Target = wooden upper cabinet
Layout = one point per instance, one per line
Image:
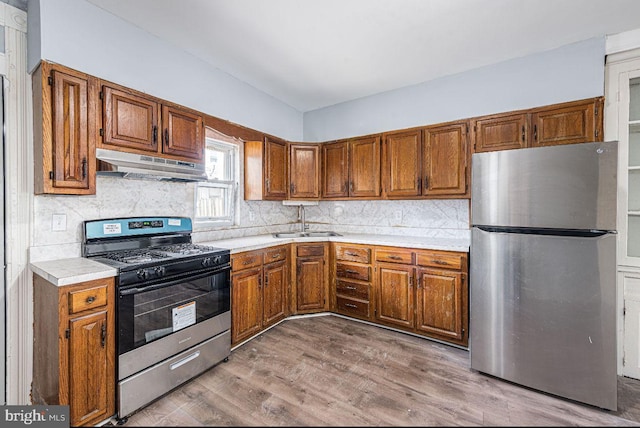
(265, 170)
(129, 120)
(402, 164)
(335, 170)
(65, 130)
(304, 170)
(500, 132)
(444, 160)
(135, 122)
(183, 133)
(364, 167)
(276, 169)
(567, 123)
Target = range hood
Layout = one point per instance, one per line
(132, 165)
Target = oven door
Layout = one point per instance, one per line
(151, 312)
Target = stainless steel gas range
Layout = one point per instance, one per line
(173, 305)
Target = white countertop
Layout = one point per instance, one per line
(79, 269)
(237, 245)
(72, 271)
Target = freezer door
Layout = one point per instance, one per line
(542, 313)
(569, 187)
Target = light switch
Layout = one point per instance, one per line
(58, 222)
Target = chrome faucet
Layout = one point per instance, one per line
(303, 223)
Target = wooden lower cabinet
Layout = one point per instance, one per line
(74, 348)
(423, 291)
(351, 280)
(310, 278)
(259, 290)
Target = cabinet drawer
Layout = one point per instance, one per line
(352, 289)
(352, 307)
(246, 261)
(91, 298)
(441, 260)
(345, 270)
(394, 256)
(310, 250)
(353, 254)
(275, 254)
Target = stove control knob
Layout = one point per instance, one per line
(142, 273)
(206, 262)
(159, 270)
(217, 259)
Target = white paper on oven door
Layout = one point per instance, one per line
(184, 316)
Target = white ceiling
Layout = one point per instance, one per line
(315, 53)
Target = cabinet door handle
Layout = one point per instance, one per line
(266, 281)
(292, 188)
(350, 305)
(419, 184)
(268, 184)
(166, 136)
(103, 335)
(346, 186)
(84, 168)
(426, 183)
(91, 299)
(155, 134)
(523, 133)
(351, 187)
(535, 132)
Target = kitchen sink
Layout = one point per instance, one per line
(318, 234)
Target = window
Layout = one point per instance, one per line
(216, 197)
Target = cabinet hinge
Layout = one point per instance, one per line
(67, 333)
(50, 175)
(101, 132)
(101, 95)
(597, 132)
(596, 111)
(467, 126)
(50, 80)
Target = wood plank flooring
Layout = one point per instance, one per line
(332, 371)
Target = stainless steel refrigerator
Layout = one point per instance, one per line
(542, 269)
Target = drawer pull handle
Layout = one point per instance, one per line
(395, 257)
(184, 360)
(91, 299)
(439, 262)
(348, 287)
(275, 256)
(349, 253)
(350, 305)
(247, 262)
(351, 271)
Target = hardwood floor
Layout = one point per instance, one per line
(331, 371)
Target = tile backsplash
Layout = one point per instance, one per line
(118, 197)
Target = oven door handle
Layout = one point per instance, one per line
(173, 281)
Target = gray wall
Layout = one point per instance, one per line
(82, 36)
(568, 73)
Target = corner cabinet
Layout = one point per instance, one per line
(266, 172)
(310, 278)
(304, 171)
(74, 348)
(65, 110)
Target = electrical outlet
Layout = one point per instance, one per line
(58, 222)
(397, 216)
